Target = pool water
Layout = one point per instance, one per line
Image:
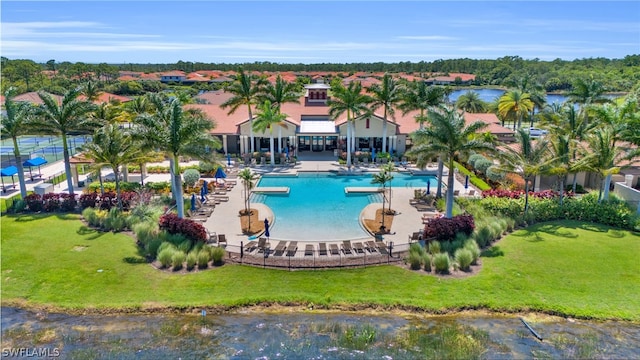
(317, 207)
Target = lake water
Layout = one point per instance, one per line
(313, 336)
(488, 95)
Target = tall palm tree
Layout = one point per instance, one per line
(587, 92)
(15, 122)
(528, 84)
(91, 91)
(419, 96)
(248, 181)
(281, 92)
(351, 101)
(71, 115)
(515, 104)
(113, 147)
(178, 132)
(561, 163)
(246, 90)
(470, 102)
(448, 136)
(385, 95)
(267, 117)
(527, 158)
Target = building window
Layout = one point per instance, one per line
(367, 123)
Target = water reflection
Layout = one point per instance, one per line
(314, 336)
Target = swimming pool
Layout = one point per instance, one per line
(317, 207)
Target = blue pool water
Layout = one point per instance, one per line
(317, 207)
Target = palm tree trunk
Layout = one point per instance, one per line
(178, 186)
(353, 135)
(67, 164)
(279, 139)
(117, 174)
(526, 196)
(23, 185)
(575, 182)
(440, 171)
(561, 190)
(251, 129)
(273, 155)
(450, 179)
(101, 182)
(348, 144)
(171, 182)
(607, 185)
(384, 131)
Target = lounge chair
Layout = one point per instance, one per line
(456, 192)
(359, 248)
(346, 247)
(222, 240)
(250, 246)
(308, 250)
(292, 248)
(370, 245)
(322, 249)
(220, 198)
(333, 248)
(472, 192)
(382, 248)
(262, 244)
(280, 248)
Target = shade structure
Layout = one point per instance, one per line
(266, 228)
(193, 202)
(8, 171)
(37, 161)
(466, 182)
(220, 174)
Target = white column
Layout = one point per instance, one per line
(279, 139)
(537, 187)
(224, 144)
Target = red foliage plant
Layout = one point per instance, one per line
(189, 228)
(517, 194)
(34, 202)
(51, 202)
(445, 229)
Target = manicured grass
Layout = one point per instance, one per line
(475, 180)
(566, 268)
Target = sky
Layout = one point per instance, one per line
(310, 32)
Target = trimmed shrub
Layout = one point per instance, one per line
(192, 258)
(203, 259)
(68, 202)
(165, 256)
(464, 258)
(177, 259)
(494, 174)
(445, 229)
(434, 247)
(51, 202)
(189, 228)
(442, 263)
(217, 255)
(473, 158)
(483, 165)
(190, 177)
(473, 248)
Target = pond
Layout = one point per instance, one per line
(255, 335)
(488, 95)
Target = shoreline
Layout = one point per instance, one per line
(309, 308)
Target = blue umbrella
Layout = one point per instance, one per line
(428, 187)
(220, 174)
(228, 159)
(193, 202)
(203, 191)
(373, 153)
(266, 228)
(466, 182)
(205, 186)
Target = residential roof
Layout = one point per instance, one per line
(106, 97)
(32, 97)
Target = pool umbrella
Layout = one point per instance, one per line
(228, 159)
(266, 228)
(8, 171)
(220, 174)
(428, 187)
(37, 161)
(373, 153)
(193, 202)
(466, 182)
(202, 193)
(205, 186)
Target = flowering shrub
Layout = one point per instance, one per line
(517, 194)
(189, 228)
(445, 229)
(34, 202)
(51, 202)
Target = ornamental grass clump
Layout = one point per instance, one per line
(115, 220)
(473, 248)
(217, 255)
(91, 217)
(464, 259)
(165, 256)
(442, 263)
(483, 235)
(185, 246)
(178, 259)
(434, 247)
(203, 258)
(192, 258)
(416, 256)
(426, 260)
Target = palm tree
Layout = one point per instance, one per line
(527, 159)
(246, 89)
(15, 123)
(561, 163)
(113, 147)
(448, 137)
(470, 102)
(587, 92)
(527, 84)
(177, 132)
(281, 92)
(71, 115)
(514, 104)
(351, 101)
(419, 96)
(91, 91)
(248, 181)
(389, 168)
(267, 117)
(385, 95)
(382, 178)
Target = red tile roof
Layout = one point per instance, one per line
(32, 97)
(106, 97)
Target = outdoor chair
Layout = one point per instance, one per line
(370, 246)
(250, 246)
(382, 248)
(262, 244)
(222, 240)
(456, 192)
(280, 248)
(292, 248)
(308, 250)
(472, 192)
(322, 249)
(333, 248)
(346, 247)
(213, 238)
(359, 248)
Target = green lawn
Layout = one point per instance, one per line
(566, 268)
